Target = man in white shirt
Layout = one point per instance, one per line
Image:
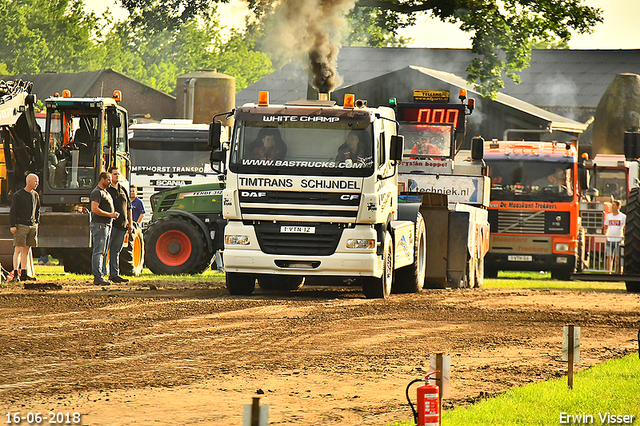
(614, 224)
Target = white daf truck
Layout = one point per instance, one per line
(301, 204)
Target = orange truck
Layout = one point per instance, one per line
(534, 209)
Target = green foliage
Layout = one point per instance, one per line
(46, 35)
(369, 26)
(58, 36)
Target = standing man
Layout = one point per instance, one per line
(614, 224)
(137, 207)
(121, 225)
(24, 217)
(102, 213)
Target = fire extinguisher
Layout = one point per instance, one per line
(428, 401)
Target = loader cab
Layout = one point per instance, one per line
(83, 137)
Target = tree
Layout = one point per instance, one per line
(158, 57)
(46, 35)
(502, 33)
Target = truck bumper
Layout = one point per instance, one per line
(538, 262)
(343, 262)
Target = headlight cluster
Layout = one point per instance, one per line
(354, 243)
(237, 240)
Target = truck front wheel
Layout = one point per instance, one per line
(240, 284)
(175, 245)
(410, 279)
(380, 288)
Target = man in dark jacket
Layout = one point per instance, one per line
(121, 225)
(24, 217)
(102, 215)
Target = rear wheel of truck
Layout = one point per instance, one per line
(410, 279)
(280, 282)
(132, 256)
(175, 245)
(632, 240)
(380, 288)
(240, 284)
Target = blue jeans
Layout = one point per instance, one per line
(100, 233)
(115, 247)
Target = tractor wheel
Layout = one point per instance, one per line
(240, 284)
(410, 279)
(380, 288)
(77, 261)
(175, 245)
(132, 256)
(632, 240)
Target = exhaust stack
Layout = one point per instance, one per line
(323, 96)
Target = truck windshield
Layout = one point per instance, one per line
(531, 180)
(73, 139)
(426, 140)
(610, 182)
(173, 152)
(301, 148)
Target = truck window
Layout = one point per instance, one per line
(73, 138)
(531, 180)
(426, 140)
(334, 148)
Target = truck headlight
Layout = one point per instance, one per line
(237, 240)
(562, 247)
(354, 243)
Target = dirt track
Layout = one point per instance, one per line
(192, 354)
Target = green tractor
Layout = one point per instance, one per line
(187, 229)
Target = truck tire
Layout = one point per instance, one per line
(380, 288)
(563, 274)
(280, 282)
(410, 279)
(582, 258)
(175, 245)
(240, 284)
(632, 240)
(480, 274)
(132, 256)
(77, 261)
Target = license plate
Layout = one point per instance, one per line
(519, 258)
(298, 229)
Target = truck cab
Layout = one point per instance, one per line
(312, 192)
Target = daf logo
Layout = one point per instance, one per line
(252, 194)
(349, 197)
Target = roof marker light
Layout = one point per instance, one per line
(66, 93)
(117, 95)
(349, 100)
(462, 95)
(263, 98)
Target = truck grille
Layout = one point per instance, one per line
(517, 221)
(529, 222)
(322, 242)
(592, 221)
(294, 205)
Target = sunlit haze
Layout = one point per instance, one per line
(620, 30)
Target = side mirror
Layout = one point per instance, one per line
(477, 149)
(117, 121)
(397, 145)
(631, 145)
(217, 156)
(215, 132)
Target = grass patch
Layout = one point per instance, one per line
(537, 280)
(54, 272)
(611, 387)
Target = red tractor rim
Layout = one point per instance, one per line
(167, 245)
